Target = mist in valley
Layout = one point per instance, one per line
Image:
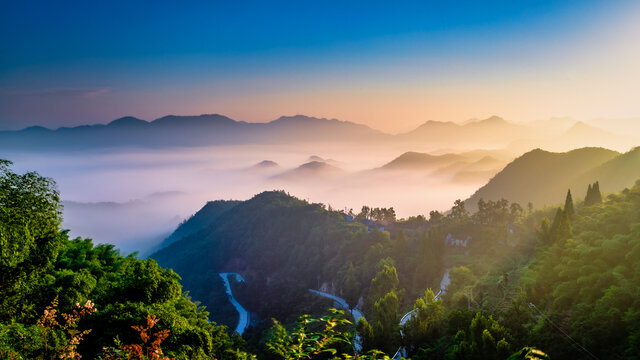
(134, 196)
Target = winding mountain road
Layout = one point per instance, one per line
(355, 313)
(443, 288)
(243, 318)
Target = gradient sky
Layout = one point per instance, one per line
(388, 65)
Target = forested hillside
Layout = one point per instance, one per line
(283, 246)
(542, 177)
(211, 211)
(567, 285)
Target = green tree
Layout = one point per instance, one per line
(351, 286)
(401, 245)
(458, 212)
(568, 205)
(427, 322)
(386, 280)
(29, 239)
(593, 195)
(459, 290)
(561, 226)
(485, 339)
(385, 317)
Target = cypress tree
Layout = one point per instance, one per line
(563, 232)
(568, 205)
(593, 194)
(556, 222)
(597, 196)
(561, 226)
(589, 197)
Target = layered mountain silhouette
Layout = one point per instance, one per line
(465, 168)
(490, 132)
(421, 161)
(212, 129)
(313, 170)
(543, 177)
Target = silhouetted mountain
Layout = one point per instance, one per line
(215, 129)
(580, 131)
(616, 174)
(490, 132)
(265, 164)
(313, 170)
(128, 122)
(577, 136)
(199, 130)
(543, 177)
(469, 172)
(272, 239)
(421, 161)
(629, 126)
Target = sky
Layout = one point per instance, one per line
(390, 65)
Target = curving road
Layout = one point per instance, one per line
(355, 313)
(243, 318)
(443, 288)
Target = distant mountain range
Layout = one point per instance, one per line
(543, 177)
(214, 129)
(199, 130)
(491, 132)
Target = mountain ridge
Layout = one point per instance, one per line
(543, 177)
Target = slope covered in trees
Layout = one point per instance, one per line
(542, 177)
(568, 285)
(211, 211)
(284, 246)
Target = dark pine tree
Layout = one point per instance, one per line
(593, 194)
(597, 196)
(568, 205)
(588, 199)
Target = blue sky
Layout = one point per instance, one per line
(390, 65)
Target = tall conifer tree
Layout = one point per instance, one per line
(597, 196)
(568, 205)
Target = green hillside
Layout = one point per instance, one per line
(211, 211)
(614, 175)
(543, 177)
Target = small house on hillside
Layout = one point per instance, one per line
(456, 242)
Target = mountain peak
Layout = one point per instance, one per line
(204, 119)
(413, 160)
(266, 164)
(581, 125)
(297, 118)
(128, 121)
(493, 120)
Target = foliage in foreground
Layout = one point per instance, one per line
(40, 264)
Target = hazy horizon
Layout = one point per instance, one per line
(389, 68)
